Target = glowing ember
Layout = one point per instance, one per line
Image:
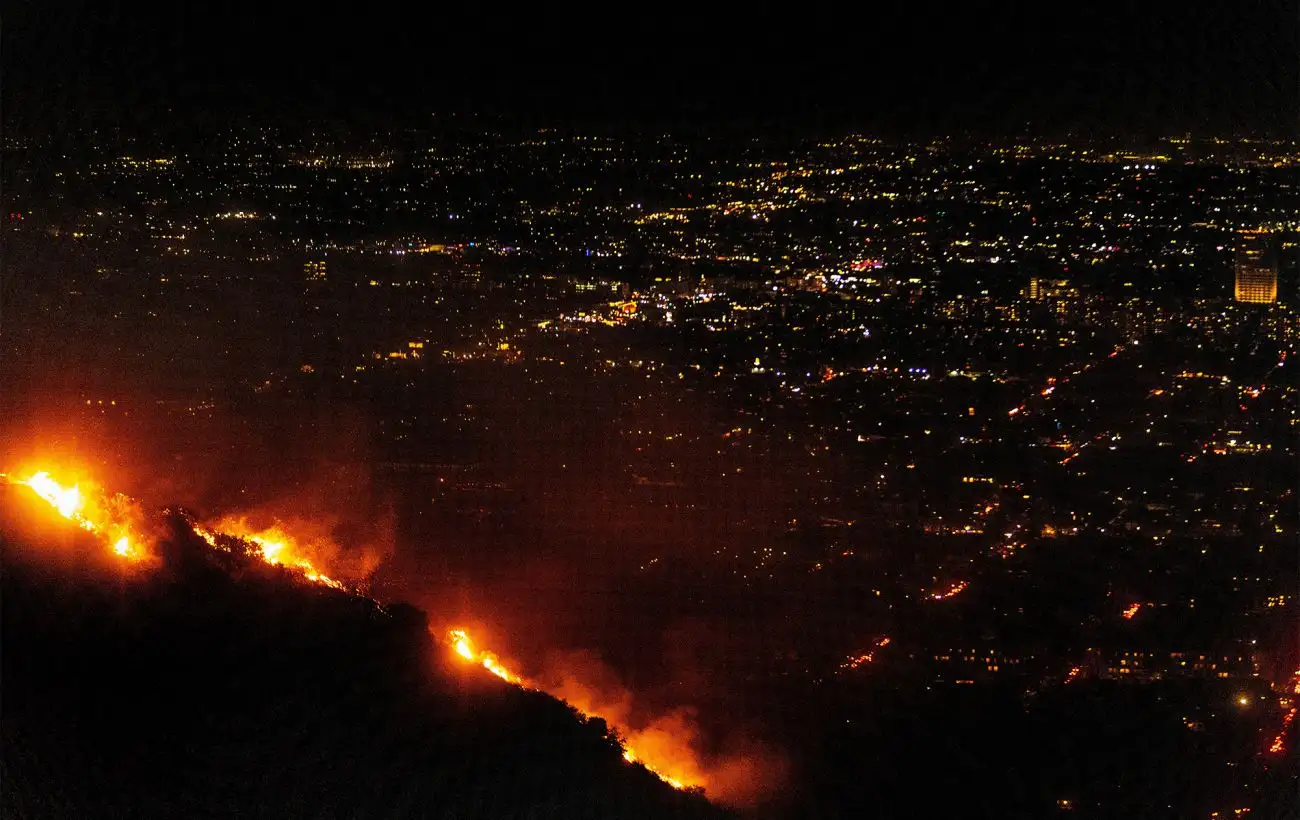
(463, 646)
(1130, 611)
(1279, 742)
(207, 535)
(955, 589)
(858, 661)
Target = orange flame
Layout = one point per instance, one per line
(657, 749)
(92, 511)
(67, 500)
(1130, 611)
(274, 546)
(463, 646)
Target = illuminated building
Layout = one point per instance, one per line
(1053, 289)
(1256, 270)
(314, 271)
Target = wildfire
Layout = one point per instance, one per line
(274, 546)
(857, 661)
(91, 510)
(67, 500)
(96, 512)
(956, 589)
(630, 757)
(1279, 742)
(207, 535)
(110, 518)
(463, 646)
(1130, 611)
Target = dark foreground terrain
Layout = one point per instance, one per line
(212, 686)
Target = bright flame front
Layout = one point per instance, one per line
(67, 500)
(273, 545)
(93, 512)
(463, 646)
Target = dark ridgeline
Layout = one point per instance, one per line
(203, 690)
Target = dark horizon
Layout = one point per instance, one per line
(906, 69)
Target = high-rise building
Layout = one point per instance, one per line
(1256, 268)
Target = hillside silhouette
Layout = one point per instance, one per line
(214, 685)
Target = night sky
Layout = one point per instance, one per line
(1149, 67)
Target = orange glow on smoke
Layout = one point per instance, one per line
(114, 517)
(274, 545)
(91, 509)
(655, 748)
(662, 748)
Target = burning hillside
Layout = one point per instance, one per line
(225, 672)
(666, 746)
(667, 756)
(114, 518)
